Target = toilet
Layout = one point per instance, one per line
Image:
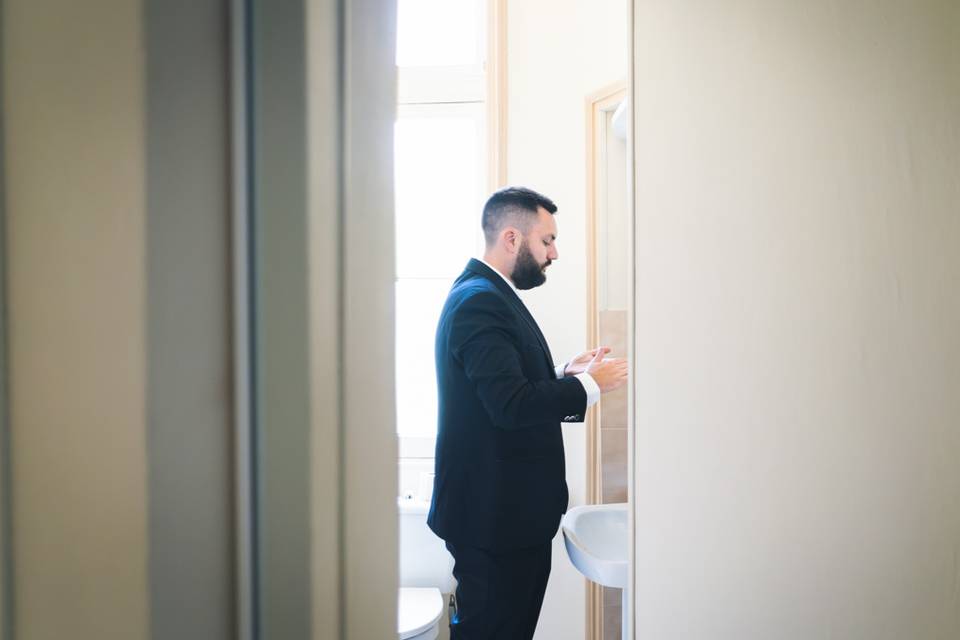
(426, 573)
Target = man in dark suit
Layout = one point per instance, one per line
(500, 487)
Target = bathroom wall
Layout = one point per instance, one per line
(798, 319)
(557, 55)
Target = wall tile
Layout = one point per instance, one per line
(613, 450)
(613, 333)
(611, 621)
(611, 596)
(613, 456)
(611, 615)
(613, 409)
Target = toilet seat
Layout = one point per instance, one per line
(418, 612)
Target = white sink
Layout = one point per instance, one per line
(597, 543)
(596, 539)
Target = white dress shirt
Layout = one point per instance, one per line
(589, 384)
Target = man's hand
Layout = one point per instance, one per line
(582, 361)
(609, 374)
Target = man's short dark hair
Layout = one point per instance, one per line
(512, 205)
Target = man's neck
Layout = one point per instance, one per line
(499, 267)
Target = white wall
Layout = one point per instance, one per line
(558, 54)
(798, 319)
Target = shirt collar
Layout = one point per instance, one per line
(496, 271)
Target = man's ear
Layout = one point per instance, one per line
(511, 239)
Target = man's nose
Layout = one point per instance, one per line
(554, 254)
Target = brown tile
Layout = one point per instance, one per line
(613, 469)
(613, 409)
(611, 596)
(613, 332)
(611, 619)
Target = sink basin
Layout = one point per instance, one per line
(596, 540)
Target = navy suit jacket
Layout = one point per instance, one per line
(500, 478)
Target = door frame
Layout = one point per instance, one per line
(313, 107)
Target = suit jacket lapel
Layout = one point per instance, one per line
(533, 325)
(483, 270)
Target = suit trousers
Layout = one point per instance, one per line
(499, 594)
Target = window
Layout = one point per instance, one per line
(440, 164)
(439, 33)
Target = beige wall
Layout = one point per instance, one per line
(116, 173)
(798, 319)
(75, 211)
(115, 157)
(557, 55)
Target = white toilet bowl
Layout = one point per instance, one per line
(426, 573)
(419, 612)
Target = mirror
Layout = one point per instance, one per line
(608, 295)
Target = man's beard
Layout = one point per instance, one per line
(527, 272)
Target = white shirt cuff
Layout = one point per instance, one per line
(590, 386)
(559, 369)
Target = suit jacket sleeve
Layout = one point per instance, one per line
(482, 339)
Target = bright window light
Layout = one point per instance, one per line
(419, 303)
(437, 172)
(438, 32)
(439, 181)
